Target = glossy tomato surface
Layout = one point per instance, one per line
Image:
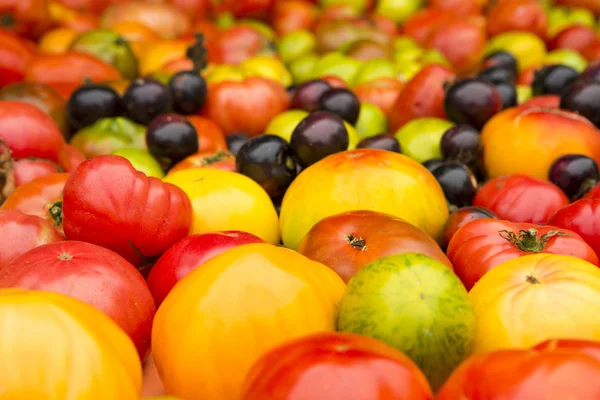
(221, 159)
(27, 170)
(582, 217)
(461, 217)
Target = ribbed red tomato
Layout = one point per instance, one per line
(582, 217)
(91, 274)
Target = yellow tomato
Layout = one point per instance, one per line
(57, 41)
(224, 72)
(162, 52)
(225, 201)
(224, 315)
(528, 49)
(55, 347)
(364, 179)
(267, 67)
(527, 300)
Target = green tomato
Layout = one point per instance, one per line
(408, 55)
(528, 49)
(375, 69)
(142, 161)
(404, 42)
(523, 93)
(561, 17)
(398, 10)
(415, 304)
(296, 44)
(337, 64)
(371, 121)
(109, 135)
(567, 57)
(420, 138)
(111, 48)
(283, 124)
(302, 67)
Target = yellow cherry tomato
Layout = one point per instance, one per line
(57, 41)
(267, 67)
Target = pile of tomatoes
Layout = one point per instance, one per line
(300, 199)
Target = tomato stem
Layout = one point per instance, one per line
(528, 241)
(7, 179)
(356, 242)
(197, 53)
(56, 213)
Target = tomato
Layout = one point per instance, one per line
(583, 218)
(554, 369)
(421, 24)
(210, 136)
(484, 244)
(517, 15)
(27, 170)
(237, 44)
(462, 8)
(40, 197)
(220, 336)
(152, 384)
(70, 158)
(354, 367)
(521, 198)
(530, 299)
(544, 101)
(382, 92)
(244, 8)
(139, 36)
(594, 193)
(29, 132)
(107, 135)
(43, 97)
(576, 37)
(65, 338)
(227, 201)
(229, 104)
(14, 57)
(7, 178)
(160, 53)
(221, 159)
(27, 18)
(346, 242)
(512, 136)
(461, 217)
(108, 203)
(57, 40)
(190, 253)
(21, 233)
(422, 96)
(293, 15)
(364, 179)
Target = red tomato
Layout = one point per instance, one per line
(91, 274)
(28, 18)
(334, 81)
(236, 44)
(210, 136)
(29, 132)
(549, 371)
(484, 244)
(21, 233)
(347, 242)
(246, 106)
(244, 8)
(461, 217)
(293, 15)
(544, 101)
(221, 159)
(70, 158)
(421, 24)
(589, 347)
(583, 218)
(108, 203)
(335, 366)
(27, 170)
(574, 37)
(382, 92)
(517, 15)
(188, 254)
(14, 57)
(521, 198)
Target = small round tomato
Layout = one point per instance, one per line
(221, 159)
(582, 217)
(382, 92)
(461, 217)
(293, 15)
(517, 15)
(484, 244)
(21, 233)
(521, 198)
(27, 170)
(237, 44)
(210, 136)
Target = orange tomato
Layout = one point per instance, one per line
(57, 41)
(120, 85)
(139, 36)
(221, 159)
(210, 136)
(161, 53)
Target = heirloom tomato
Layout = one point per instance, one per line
(160, 53)
(29, 132)
(423, 23)
(292, 16)
(139, 36)
(517, 15)
(27, 170)
(190, 253)
(543, 101)
(354, 367)
(70, 158)
(236, 44)
(553, 369)
(225, 201)
(245, 106)
(364, 179)
(65, 338)
(142, 161)
(26, 18)
(221, 159)
(108, 135)
(103, 279)
(232, 310)
(382, 92)
(526, 47)
(521, 198)
(527, 140)
(583, 218)
(530, 299)
(594, 193)
(346, 242)
(244, 8)
(14, 57)
(40, 197)
(21, 233)
(210, 136)
(57, 40)
(108, 203)
(483, 244)
(461, 217)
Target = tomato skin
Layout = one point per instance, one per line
(108, 203)
(244, 8)
(582, 217)
(551, 370)
(229, 107)
(210, 136)
(461, 217)
(521, 198)
(346, 242)
(27, 170)
(190, 253)
(31, 18)
(29, 132)
(423, 23)
(354, 367)
(483, 244)
(545, 101)
(518, 15)
(103, 279)
(382, 92)
(14, 57)
(70, 158)
(293, 15)
(220, 160)
(21, 233)
(236, 44)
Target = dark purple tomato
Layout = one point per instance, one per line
(92, 102)
(317, 136)
(508, 92)
(235, 141)
(306, 96)
(592, 71)
(462, 143)
(583, 97)
(472, 102)
(171, 138)
(498, 74)
(145, 99)
(552, 79)
(189, 91)
(461, 217)
(433, 163)
(384, 141)
(575, 174)
(269, 161)
(457, 182)
(341, 102)
(501, 59)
